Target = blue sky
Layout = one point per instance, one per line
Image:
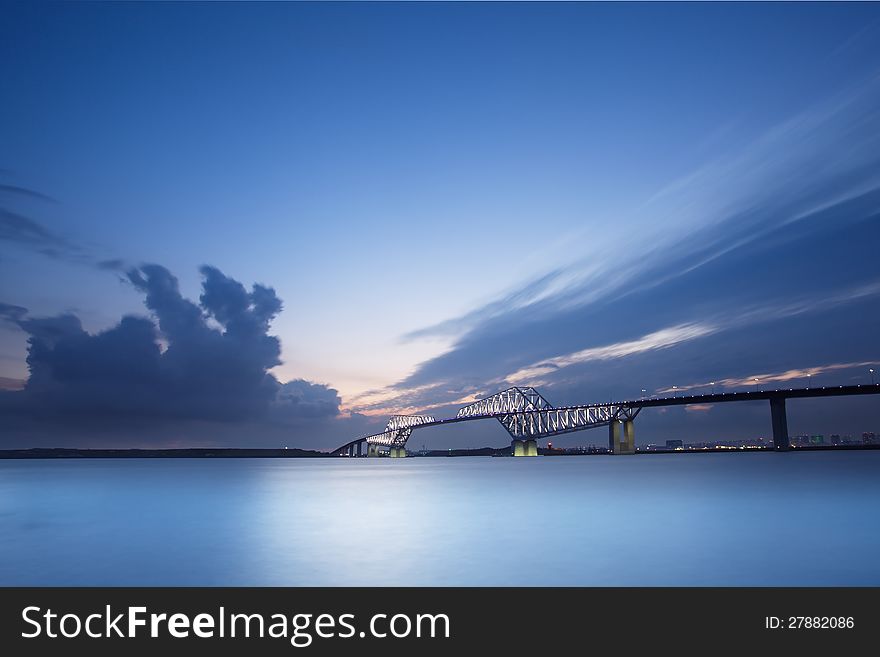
(449, 198)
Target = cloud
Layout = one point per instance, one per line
(530, 294)
(113, 264)
(24, 191)
(8, 383)
(662, 339)
(456, 379)
(304, 399)
(797, 376)
(17, 228)
(22, 230)
(766, 229)
(207, 362)
(676, 335)
(821, 158)
(12, 314)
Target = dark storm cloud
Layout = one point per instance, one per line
(310, 400)
(208, 361)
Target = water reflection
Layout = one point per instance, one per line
(708, 519)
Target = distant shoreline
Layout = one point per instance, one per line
(177, 453)
(235, 452)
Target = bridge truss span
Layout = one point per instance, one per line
(551, 421)
(507, 401)
(398, 422)
(399, 429)
(527, 416)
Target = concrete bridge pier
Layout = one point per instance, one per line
(622, 437)
(372, 450)
(360, 448)
(398, 452)
(779, 421)
(524, 447)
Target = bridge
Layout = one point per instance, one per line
(528, 416)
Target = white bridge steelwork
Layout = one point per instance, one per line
(399, 429)
(522, 411)
(527, 416)
(506, 401)
(551, 421)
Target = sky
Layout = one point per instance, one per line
(276, 224)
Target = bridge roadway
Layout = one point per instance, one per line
(617, 414)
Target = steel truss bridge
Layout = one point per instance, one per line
(527, 416)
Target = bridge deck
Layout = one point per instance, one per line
(673, 400)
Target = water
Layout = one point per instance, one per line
(709, 519)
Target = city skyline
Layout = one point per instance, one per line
(307, 219)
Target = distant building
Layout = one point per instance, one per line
(674, 444)
(818, 439)
(835, 439)
(869, 438)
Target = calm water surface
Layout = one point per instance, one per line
(708, 519)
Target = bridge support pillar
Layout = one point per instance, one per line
(614, 436)
(360, 449)
(622, 437)
(524, 447)
(398, 452)
(372, 450)
(780, 423)
(628, 444)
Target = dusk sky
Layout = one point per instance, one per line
(276, 224)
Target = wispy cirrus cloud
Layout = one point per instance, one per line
(22, 230)
(536, 374)
(25, 192)
(822, 157)
(756, 235)
(662, 339)
(801, 376)
(447, 393)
